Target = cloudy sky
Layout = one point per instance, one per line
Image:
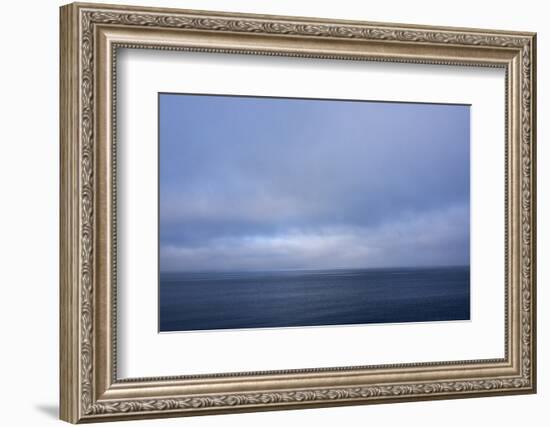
(252, 183)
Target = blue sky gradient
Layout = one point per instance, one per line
(250, 183)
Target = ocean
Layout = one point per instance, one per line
(276, 299)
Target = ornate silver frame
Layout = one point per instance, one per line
(90, 36)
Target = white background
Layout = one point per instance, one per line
(145, 353)
(29, 171)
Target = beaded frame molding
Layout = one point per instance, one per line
(90, 37)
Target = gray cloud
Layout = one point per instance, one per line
(251, 183)
(415, 240)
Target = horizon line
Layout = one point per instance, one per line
(314, 269)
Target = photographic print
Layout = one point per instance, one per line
(281, 212)
(219, 189)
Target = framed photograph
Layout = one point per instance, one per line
(266, 212)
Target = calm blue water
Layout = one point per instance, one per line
(199, 301)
